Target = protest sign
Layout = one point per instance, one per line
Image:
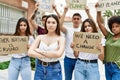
(13, 44)
(86, 42)
(45, 5)
(108, 5)
(76, 4)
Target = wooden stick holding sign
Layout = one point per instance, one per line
(87, 42)
(45, 5)
(76, 4)
(108, 5)
(13, 44)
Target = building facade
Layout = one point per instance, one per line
(11, 11)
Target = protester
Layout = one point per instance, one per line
(48, 48)
(112, 47)
(20, 63)
(39, 28)
(86, 67)
(70, 59)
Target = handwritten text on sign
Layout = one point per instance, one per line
(45, 5)
(76, 4)
(108, 5)
(87, 42)
(13, 44)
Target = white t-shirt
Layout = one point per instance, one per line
(69, 39)
(31, 39)
(90, 56)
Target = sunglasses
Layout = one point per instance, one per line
(76, 18)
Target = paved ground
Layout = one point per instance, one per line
(4, 75)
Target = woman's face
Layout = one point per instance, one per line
(51, 24)
(88, 27)
(116, 28)
(23, 27)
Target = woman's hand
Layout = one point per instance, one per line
(28, 46)
(72, 45)
(87, 10)
(101, 55)
(37, 50)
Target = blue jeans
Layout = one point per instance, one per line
(19, 65)
(69, 65)
(50, 72)
(86, 71)
(112, 71)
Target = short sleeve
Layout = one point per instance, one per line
(31, 40)
(103, 41)
(109, 35)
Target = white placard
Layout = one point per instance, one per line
(76, 4)
(108, 5)
(45, 5)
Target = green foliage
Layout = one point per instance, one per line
(117, 12)
(109, 13)
(32, 63)
(4, 65)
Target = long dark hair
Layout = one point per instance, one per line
(17, 31)
(57, 31)
(92, 23)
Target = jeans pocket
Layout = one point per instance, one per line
(94, 65)
(56, 67)
(26, 58)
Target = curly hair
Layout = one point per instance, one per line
(113, 19)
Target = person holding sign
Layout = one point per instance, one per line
(112, 47)
(48, 48)
(70, 60)
(40, 29)
(86, 67)
(20, 63)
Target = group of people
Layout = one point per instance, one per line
(50, 45)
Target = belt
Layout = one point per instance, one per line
(89, 61)
(47, 63)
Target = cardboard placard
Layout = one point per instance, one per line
(13, 44)
(108, 5)
(45, 5)
(76, 4)
(86, 42)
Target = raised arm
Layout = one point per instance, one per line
(54, 8)
(87, 10)
(100, 22)
(62, 28)
(32, 17)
